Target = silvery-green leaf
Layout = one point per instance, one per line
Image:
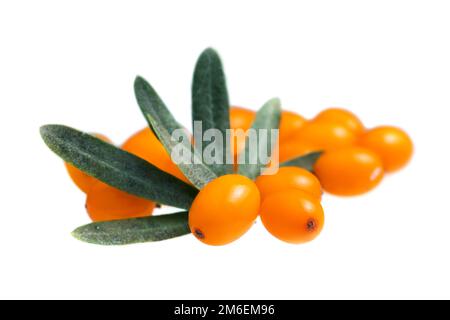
(139, 230)
(210, 106)
(268, 118)
(116, 167)
(163, 124)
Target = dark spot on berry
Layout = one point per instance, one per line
(311, 225)
(199, 234)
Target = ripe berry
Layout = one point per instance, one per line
(349, 171)
(290, 123)
(342, 117)
(324, 136)
(241, 118)
(392, 145)
(293, 149)
(224, 210)
(292, 216)
(289, 178)
(105, 203)
(146, 145)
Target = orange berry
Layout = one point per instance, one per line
(146, 145)
(349, 171)
(342, 117)
(293, 149)
(82, 180)
(106, 203)
(224, 209)
(392, 145)
(292, 216)
(241, 118)
(324, 136)
(290, 123)
(289, 178)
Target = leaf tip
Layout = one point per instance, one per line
(46, 132)
(76, 234)
(80, 234)
(210, 51)
(208, 56)
(275, 102)
(138, 80)
(43, 130)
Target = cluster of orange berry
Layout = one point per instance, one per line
(289, 202)
(355, 158)
(353, 162)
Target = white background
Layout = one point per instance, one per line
(74, 63)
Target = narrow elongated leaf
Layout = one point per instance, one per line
(268, 118)
(139, 230)
(163, 124)
(306, 162)
(210, 106)
(116, 167)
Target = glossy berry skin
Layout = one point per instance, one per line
(146, 145)
(393, 146)
(105, 203)
(342, 117)
(292, 216)
(324, 136)
(349, 171)
(290, 123)
(289, 178)
(224, 210)
(82, 180)
(293, 149)
(241, 118)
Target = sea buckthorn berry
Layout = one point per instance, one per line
(342, 117)
(293, 149)
(290, 123)
(392, 145)
(289, 178)
(105, 203)
(292, 216)
(324, 136)
(82, 180)
(146, 145)
(349, 171)
(224, 209)
(241, 118)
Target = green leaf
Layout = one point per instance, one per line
(306, 162)
(163, 124)
(139, 230)
(210, 106)
(268, 117)
(116, 167)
